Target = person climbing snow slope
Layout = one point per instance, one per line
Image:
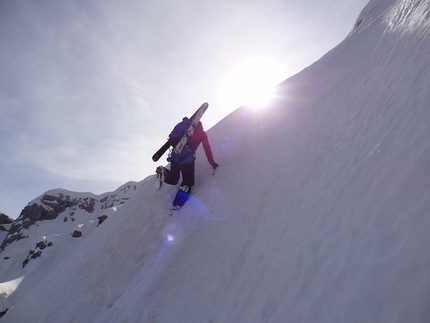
(183, 163)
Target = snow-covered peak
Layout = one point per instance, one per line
(65, 207)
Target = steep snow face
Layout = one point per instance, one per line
(402, 16)
(372, 12)
(317, 213)
(409, 17)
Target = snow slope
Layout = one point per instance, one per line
(318, 212)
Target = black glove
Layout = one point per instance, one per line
(214, 165)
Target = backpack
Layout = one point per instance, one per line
(187, 154)
(180, 129)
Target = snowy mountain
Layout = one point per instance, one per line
(317, 213)
(47, 231)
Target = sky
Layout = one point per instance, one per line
(90, 90)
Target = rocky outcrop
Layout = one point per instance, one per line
(76, 234)
(51, 206)
(101, 219)
(3, 312)
(55, 202)
(37, 252)
(4, 222)
(48, 207)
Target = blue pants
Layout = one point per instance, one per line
(172, 178)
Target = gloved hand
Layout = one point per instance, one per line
(214, 165)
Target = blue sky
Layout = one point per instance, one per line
(90, 89)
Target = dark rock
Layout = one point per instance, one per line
(3, 312)
(76, 234)
(31, 255)
(43, 244)
(101, 219)
(4, 219)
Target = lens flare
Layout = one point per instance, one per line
(170, 238)
(172, 234)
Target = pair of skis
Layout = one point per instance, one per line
(179, 143)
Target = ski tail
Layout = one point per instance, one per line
(160, 152)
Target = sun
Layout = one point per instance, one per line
(252, 83)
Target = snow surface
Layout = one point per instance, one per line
(319, 211)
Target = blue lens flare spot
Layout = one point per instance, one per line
(172, 234)
(170, 238)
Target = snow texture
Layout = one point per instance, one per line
(319, 211)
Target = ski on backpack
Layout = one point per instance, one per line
(179, 143)
(194, 121)
(163, 149)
